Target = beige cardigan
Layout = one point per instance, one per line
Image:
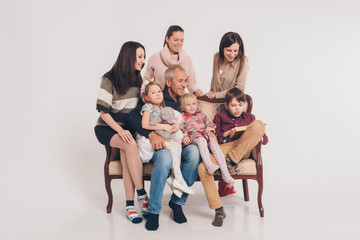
(221, 83)
(160, 62)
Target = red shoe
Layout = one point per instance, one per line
(224, 190)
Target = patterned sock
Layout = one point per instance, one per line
(141, 192)
(143, 201)
(152, 222)
(129, 203)
(220, 215)
(132, 215)
(179, 216)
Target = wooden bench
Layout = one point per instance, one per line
(251, 168)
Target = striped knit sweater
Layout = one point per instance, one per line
(118, 106)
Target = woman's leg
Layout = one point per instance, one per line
(128, 183)
(132, 165)
(132, 174)
(205, 154)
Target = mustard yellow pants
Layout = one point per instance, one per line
(237, 150)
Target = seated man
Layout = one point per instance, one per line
(176, 80)
(233, 151)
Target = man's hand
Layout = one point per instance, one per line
(157, 142)
(186, 141)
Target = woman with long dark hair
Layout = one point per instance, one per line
(170, 55)
(119, 94)
(230, 66)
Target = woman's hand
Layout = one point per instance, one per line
(186, 141)
(126, 136)
(210, 94)
(175, 127)
(198, 92)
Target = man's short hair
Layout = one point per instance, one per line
(169, 73)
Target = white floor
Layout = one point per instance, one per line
(290, 213)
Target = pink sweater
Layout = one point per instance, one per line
(159, 62)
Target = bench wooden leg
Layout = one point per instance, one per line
(245, 189)
(109, 192)
(260, 190)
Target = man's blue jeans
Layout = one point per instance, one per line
(162, 161)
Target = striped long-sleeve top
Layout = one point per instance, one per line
(118, 106)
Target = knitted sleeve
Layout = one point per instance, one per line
(105, 97)
(241, 79)
(192, 84)
(149, 72)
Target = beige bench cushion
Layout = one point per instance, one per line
(245, 167)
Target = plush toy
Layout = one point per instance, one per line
(168, 115)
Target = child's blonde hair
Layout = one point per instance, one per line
(146, 91)
(185, 98)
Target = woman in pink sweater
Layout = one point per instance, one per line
(172, 54)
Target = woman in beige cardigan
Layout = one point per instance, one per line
(230, 66)
(170, 55)
(230, 70)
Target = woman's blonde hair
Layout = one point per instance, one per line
(146, 91)
(185, 98)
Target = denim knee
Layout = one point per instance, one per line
(162, 160)
(191, 154)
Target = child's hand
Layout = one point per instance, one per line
(186, 141)
(175, 127)
(227, 133)
(167, 127)
(209, 129)
(232, 131)
(213, 136)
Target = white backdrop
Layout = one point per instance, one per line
(303, 79)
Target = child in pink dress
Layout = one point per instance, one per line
(196, 127)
